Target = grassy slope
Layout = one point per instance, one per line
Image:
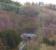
(45, 12)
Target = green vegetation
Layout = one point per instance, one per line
(48, 42)
(6, 1)
(12, 38)
(9, 5)
(26, 18)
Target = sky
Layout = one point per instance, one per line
(36, 1)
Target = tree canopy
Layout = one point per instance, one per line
(6, 1)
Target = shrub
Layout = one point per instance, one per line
(48, 42)
(12, 38)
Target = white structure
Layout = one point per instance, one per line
(25, 37)
(28, 35)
